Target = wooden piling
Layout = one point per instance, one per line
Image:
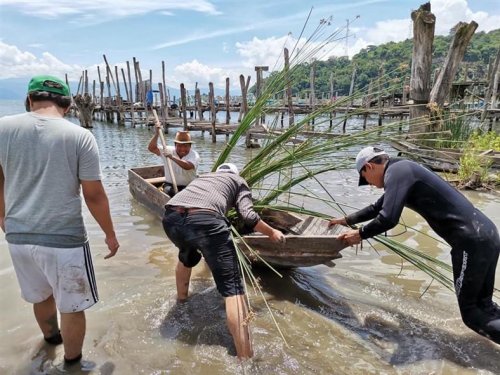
(423, 36)
(258, 90)
(183, 106)
(291, 117)
(492, 87)
(211, 100)
(228, 104)
(461, 39)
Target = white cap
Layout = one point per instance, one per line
(363, 157)
(228, 167)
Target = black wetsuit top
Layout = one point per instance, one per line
(447, 211)
(473, 237)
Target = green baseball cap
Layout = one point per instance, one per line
(49, 84)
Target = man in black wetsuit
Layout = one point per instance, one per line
(474, 239)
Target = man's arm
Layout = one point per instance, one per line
(365, 214)
(2, 201)
(97, 202)
(153, 143)
(273, 234)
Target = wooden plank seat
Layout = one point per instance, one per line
(156, 180)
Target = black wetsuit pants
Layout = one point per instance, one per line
(474, 274)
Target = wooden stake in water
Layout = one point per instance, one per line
(164, 144)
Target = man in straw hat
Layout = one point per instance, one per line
(474, 240)
(195, 222)
(41, 211)
(184, 159)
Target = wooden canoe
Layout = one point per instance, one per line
(309, 240)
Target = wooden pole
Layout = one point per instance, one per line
(351, 102)
(368, 102)
(491, 86)
(291, 116)
(228, 113)
(211, 100)
(110, 72)
(258, 89)
(380, 102)
(79, 84)
(183, 106)
(312, 97)
(86, 80)
(243, 98)
(165, 97)
(125, 85)
(132, 108)
(164, 144)
(444, 81)
(101, 93)
(423, 36)
(197, 98)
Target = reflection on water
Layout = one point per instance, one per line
(363, 316)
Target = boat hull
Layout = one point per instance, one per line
(309, 240)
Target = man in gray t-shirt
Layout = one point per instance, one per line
(195, 222)
(44, 162)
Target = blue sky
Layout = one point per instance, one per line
(200, 40)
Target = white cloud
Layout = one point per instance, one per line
(448, 13)
(194, 71)
(16, 63)
(96, 9)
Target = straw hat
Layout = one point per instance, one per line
(183, 137)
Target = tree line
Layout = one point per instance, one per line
(390, 57)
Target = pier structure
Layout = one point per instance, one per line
(128, 98)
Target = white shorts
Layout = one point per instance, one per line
(66, 273)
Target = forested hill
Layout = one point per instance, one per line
(392, 56)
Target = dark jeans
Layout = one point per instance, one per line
(207, 234)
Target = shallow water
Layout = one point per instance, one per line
(366, 315)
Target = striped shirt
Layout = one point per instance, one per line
(219, 192)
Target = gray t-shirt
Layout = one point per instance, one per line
(219, 191)
(43, 160)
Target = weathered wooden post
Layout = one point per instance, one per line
(131, 95)
(444, 80)
(258, 90)
(109, 109)
(332, 96)
(93, 97)
(243, 106)
(85, 105)
(380, 102)
(211, 100)
(199, 104)
(86, 81)
(368, 102)
(312, 97)
(120, 115)
(491, 87)
(228, 104)
(420, 82)
(351, 101)
(291, 117)
(164, 107)
(183, 106)
(79, 84)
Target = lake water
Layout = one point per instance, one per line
(366, 315)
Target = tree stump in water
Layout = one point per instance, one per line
(85, 105)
